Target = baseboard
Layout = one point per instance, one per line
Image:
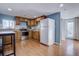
(44, 44)
(57, 43)
(76, 39)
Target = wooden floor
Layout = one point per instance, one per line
(34, 48)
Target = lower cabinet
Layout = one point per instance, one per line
(18, 35)
(36, 35)
(30, 34)
(7, 39)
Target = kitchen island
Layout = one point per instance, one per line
(8, 33)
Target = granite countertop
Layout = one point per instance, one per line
(6, 32)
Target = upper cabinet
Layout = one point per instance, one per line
(23, 20)
(20, 19)
(31, 22)
(38, 19)
(17, 20)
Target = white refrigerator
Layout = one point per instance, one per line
(47, 31)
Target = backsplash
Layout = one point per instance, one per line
(36, 28)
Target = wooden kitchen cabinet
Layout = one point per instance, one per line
(18, 35)
(36, 22)
(7, 39)
(23, 19)
(30, 34)
(17, 21)
(26, 20)
(29, 23)
(32, 22)
(36, 35)
(20, 19)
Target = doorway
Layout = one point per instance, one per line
(69, 29)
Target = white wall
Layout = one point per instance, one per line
(63, 27)
(77, 28)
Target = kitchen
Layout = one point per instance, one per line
(24, 28)
(34, 32)
(31, 26)
(20, 24)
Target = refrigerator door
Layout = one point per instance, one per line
(47, 31)
(44, 36)
(51, 31)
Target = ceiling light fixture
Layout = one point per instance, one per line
(61, 5)
(9, 9)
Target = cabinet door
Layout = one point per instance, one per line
(36, 22)
(29, 23)
(36, 35)
(32, 22)
(33, 34)
(7, 39)
(30, 34)
(17, 21)
(18, 35)
(21, 19)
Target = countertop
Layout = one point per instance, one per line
(7, 32)
(4, 33)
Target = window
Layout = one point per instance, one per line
(8, 24)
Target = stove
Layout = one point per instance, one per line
(24, 34)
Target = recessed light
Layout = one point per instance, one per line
(9, 9)
(61, 5)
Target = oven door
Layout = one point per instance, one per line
(24, 35)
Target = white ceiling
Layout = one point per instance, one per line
(69, 10)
